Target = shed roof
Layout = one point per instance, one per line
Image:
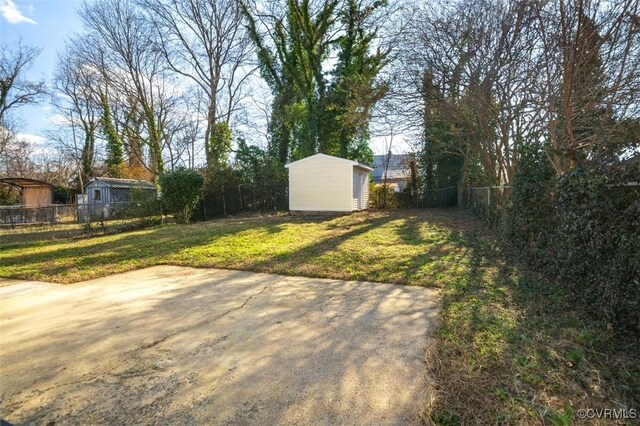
(352, 162)
(123, 183)
(25, 182)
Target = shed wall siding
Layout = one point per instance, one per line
(105, 192)
(320, 184)
(37, 196)
(365, 189)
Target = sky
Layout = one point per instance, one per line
(47, 24)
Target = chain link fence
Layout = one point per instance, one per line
(13, 216)
(231, 200)
(488, 203)
(440, 197)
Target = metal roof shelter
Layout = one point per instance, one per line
(33, 192)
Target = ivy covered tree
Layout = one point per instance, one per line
(355, 88)
(220, 138)
(114, 160)
(314, 110)
(293, 70)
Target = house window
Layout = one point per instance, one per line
(97, 195)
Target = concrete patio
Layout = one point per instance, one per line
(172, 344)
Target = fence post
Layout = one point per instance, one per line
(489, 203)
(224, 204)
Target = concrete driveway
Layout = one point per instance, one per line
(174, 345)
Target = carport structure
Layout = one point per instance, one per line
(33, 192)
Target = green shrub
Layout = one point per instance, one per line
(9, 195)
(596, 244)
(64, 194)
(181, 191)
(383, 197)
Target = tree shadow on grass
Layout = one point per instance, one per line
(513, 349)
(118, 252)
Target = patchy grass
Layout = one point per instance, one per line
(62, 231)
(511, 348)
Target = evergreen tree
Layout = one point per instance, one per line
(441, 162)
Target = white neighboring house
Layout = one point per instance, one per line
(325, 184)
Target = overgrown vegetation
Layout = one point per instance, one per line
(582, 228)
(383, 197)
(511, 347)
(255, 182)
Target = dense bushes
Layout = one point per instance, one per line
(227, 191)
(9, 195)
(383, 197)
(582, 228)
(181, 191)
(64, 194)
(442, 197)
(528, 217)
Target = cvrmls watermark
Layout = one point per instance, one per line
(607, 413)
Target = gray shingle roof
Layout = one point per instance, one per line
(398, 167)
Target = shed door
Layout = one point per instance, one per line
(360, 191)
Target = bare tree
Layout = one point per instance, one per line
(15, 89)
(591, 63)
(205, 42)
(77, 101)
(16, 159)
(468, 69)
(123, 50)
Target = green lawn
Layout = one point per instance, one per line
(510, 348)
(398, 248)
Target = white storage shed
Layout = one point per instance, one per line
(325, 184)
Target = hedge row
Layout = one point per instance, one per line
(582, 228)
